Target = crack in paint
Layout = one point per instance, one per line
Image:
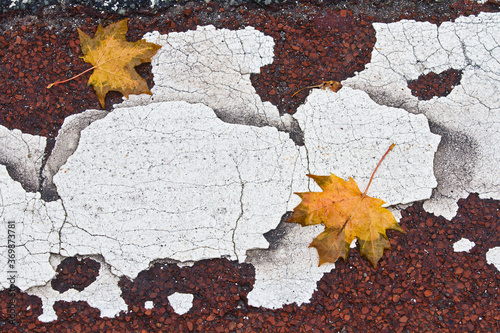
(241, 212)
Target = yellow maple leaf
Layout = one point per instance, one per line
(113, 60)
(347, 214)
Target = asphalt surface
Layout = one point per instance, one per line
(167, 212)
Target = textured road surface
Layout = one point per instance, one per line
(166, 212)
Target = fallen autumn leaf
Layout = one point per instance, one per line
(113, 60)
(347, 214)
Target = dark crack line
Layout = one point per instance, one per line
(241, 210)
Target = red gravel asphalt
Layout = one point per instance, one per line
(420, 286)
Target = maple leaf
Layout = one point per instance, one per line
(113, 60)
(347, 214)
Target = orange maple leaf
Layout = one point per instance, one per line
(347, 214)
(113, 60)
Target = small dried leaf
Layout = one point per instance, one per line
(332, 85)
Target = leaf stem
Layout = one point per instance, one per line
(364, 193)
(72, 78)
(380, 162)
(309, 87)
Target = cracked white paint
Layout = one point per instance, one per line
(493, 257)
(36, 233)
(66, 143)
(23, 154)
(468, 117)
(181, 303)
(103, 294)
(171, 180)
(463, 245)
(288, 273)
(345, 133)
(168, 179)
(213, 66)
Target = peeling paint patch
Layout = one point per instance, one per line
(23, 155)
(66, 144)
(181, 303)
(213, 66)
(288, 273)
(463, 245)
(148, 305)
(493, 257)
(103, 294)
(171, 180)
(407, 49)
(31, 226)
